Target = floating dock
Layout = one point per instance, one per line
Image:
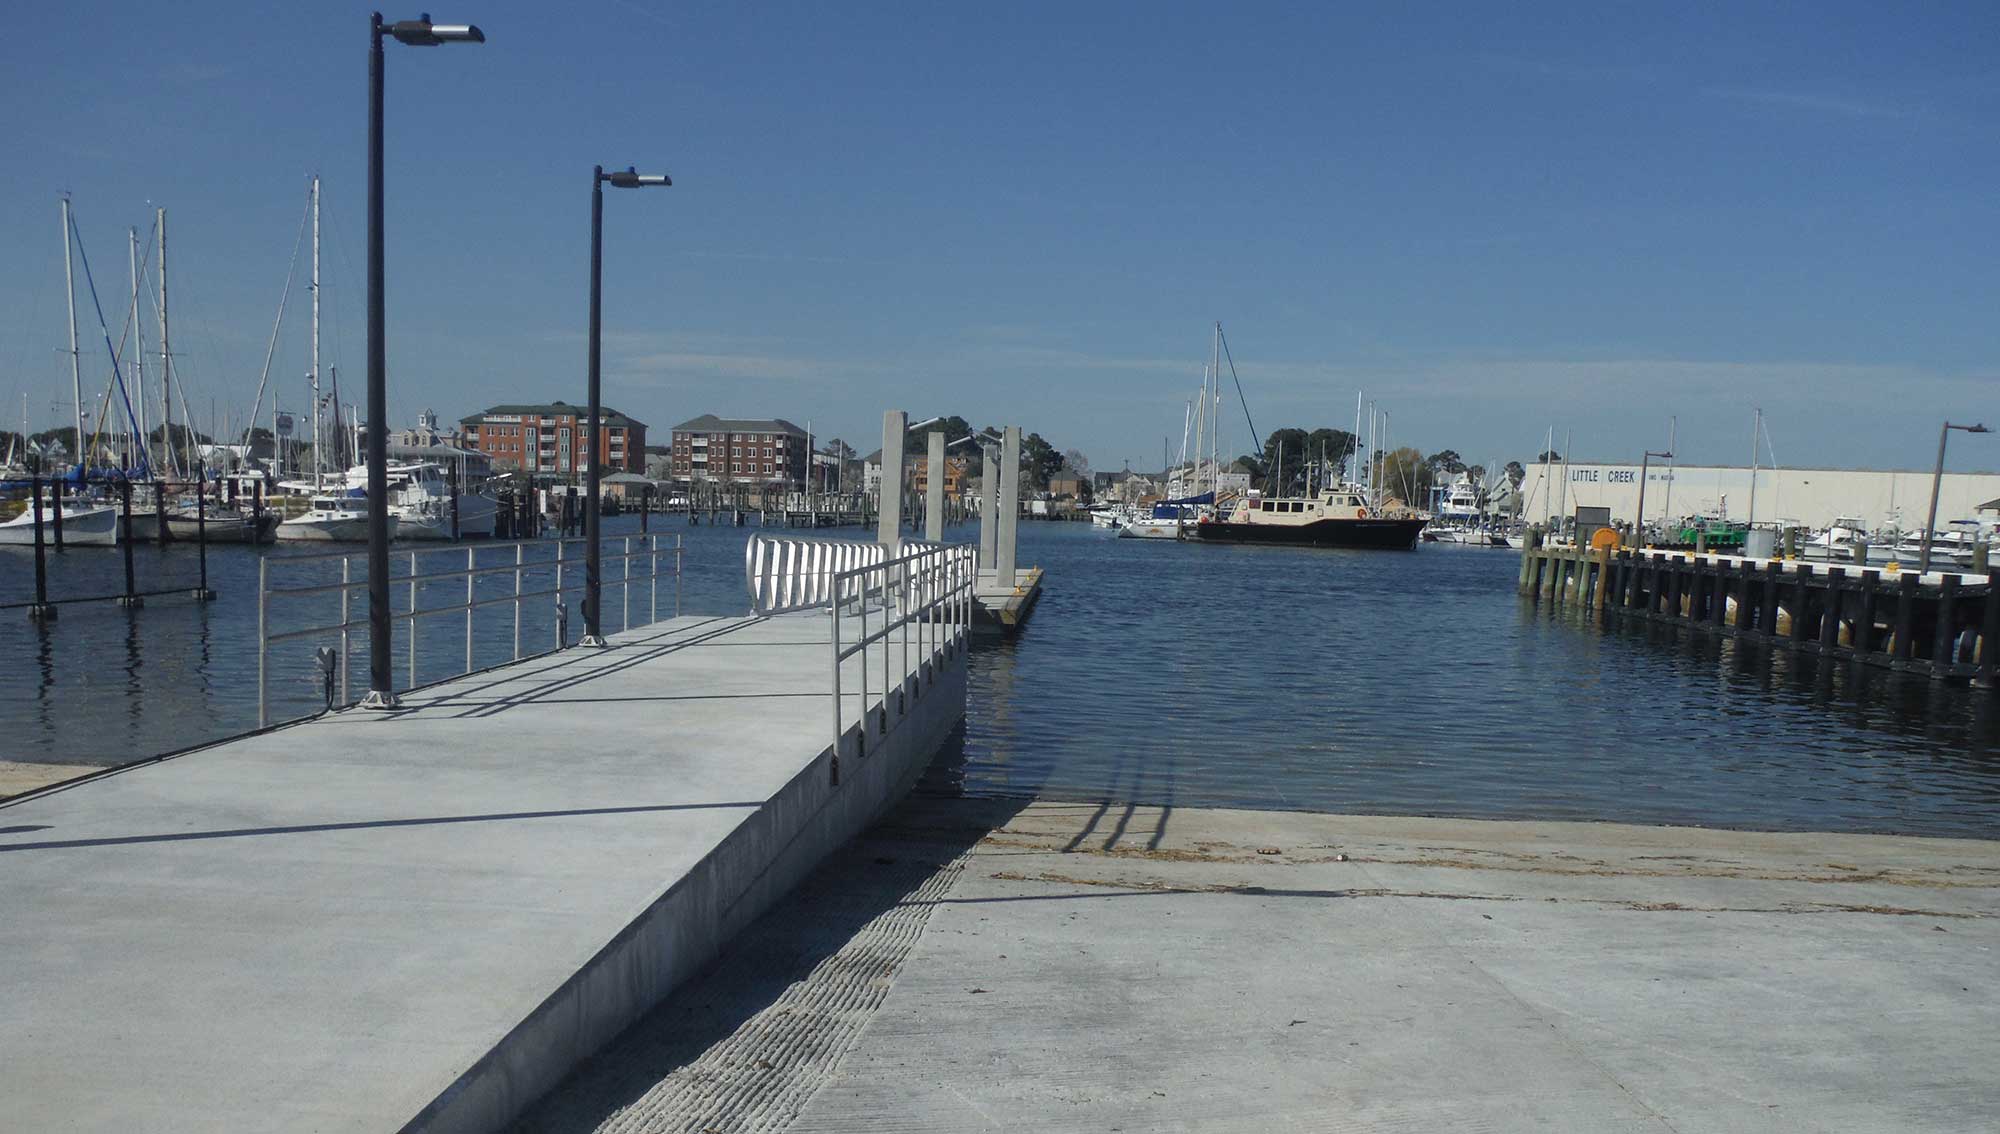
(422, 919)
(1001, 610)
(1942, 624)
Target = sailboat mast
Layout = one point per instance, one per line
(1756, 429)
(166, 355)
(75, 360)
(1673, 446)
(1215, 428)
(1562, 501)
(138, 347)
(312, 371)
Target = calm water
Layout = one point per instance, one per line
(1171, 674)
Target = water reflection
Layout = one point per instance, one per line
(1421, 685)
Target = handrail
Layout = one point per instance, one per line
(923, 599)
(650, 551)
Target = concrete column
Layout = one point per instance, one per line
(1009, 515)
(889, 505)
(934, 491)
(989, 511)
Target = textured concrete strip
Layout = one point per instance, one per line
(746, 1044)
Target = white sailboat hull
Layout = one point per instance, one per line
(89, 526)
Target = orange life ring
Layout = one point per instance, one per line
(1361, 513)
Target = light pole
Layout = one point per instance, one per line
(1639, 525)
(1937, 477)
(627, 178)
(419, 32)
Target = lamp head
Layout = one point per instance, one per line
(421, 32)
(631, 178)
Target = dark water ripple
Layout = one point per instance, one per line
(1178, 675)
(1419, 684)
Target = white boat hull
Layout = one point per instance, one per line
(334, 529)
(1153, 529)
(93, 525)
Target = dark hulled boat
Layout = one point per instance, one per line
(1333, 518)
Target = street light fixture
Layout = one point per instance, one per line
(420, 32)
(627, 178)
(1639, 525)
(1937, 477)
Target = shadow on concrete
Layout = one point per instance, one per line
(368, 824)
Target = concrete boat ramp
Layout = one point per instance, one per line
(423, 919)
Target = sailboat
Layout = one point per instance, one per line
(335, 512)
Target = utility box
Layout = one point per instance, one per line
(1588, 521)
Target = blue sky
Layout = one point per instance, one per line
(1591, 217)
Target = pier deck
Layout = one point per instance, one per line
(422, 919)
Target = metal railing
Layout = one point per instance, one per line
(921, 601)
(531, 560)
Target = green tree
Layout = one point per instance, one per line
(1403, 474)
(1446, 461)
(1515, 473)
(1039, 459)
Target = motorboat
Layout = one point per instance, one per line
(336, 518)
(1334, 517)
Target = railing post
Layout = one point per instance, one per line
(833, 610)
(562, 631)
(653, 579)
(679, 547)
(263, 641)
(625, 583)
(518, 549)
(346, 647)
(413, 620)
(470, 578)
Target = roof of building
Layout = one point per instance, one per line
(709, 423)
(625, 478)
(1992, 505)
(606, 414)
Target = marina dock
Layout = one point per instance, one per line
(1941, 624)
(422, 919)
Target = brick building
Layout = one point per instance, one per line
(756, 451)
(550, 438)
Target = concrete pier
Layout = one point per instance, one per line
(421, 920)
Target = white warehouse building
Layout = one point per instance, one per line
(1812, 497)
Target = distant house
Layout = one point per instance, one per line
(1068, 483)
